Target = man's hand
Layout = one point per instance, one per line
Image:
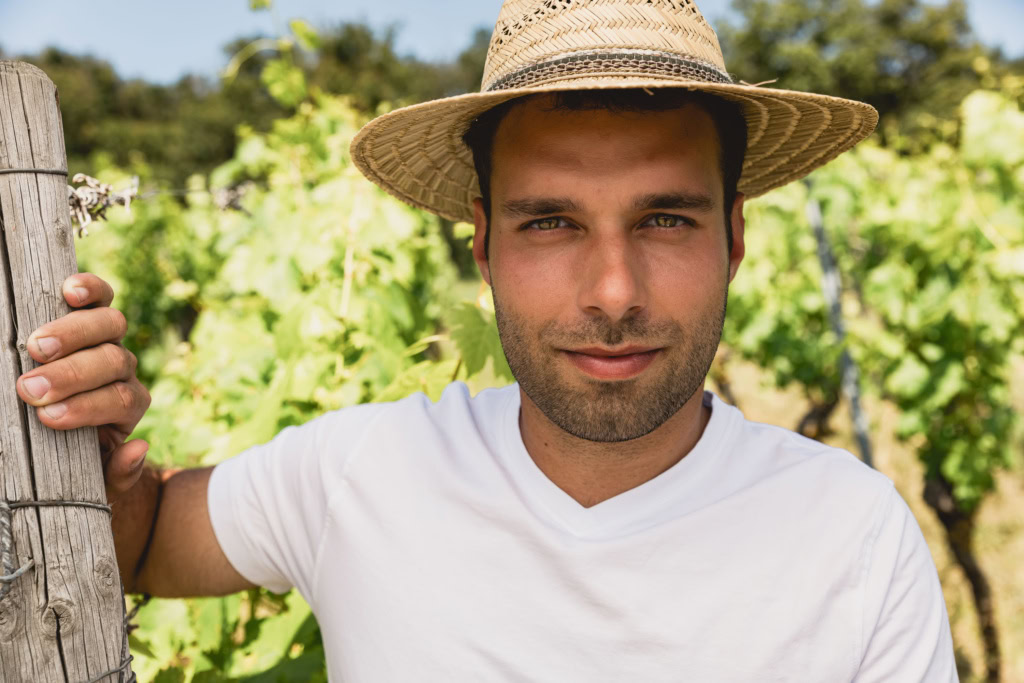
(88, 379)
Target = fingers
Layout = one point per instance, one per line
(85, 289)
(120, 404)
(74, 331)
(84, 371)
(125, 467)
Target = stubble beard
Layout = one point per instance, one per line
(610, 411)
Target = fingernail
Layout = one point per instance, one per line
(55, 410)
(48, 346)
(36, 387)
(138, 463)
(82, 293)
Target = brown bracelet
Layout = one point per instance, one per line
(152, 527)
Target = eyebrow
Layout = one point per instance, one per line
(543, 206)
(686, 201)
(540, 206)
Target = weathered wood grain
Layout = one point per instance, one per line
(62, 621)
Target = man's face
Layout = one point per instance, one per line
(608, 262)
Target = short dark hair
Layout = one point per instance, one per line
(726, 114)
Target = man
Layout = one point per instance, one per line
(605, 519)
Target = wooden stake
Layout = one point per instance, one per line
(63, 620)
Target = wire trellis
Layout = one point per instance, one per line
(91, 199)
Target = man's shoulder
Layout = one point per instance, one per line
(808, 495)
(777, 452)
(416, 418)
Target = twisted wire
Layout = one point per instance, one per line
(89, 202)
(42, 171)
(125, 663)
(7, 556)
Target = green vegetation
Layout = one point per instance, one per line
(931, 250)
(331, 293)
(325, 292)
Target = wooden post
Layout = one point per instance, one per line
(62, 621)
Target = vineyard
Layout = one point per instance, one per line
(318, 291)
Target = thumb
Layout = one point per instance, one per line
(124, 467)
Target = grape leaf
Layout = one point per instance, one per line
(476, 337)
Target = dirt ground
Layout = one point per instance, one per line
(1000, 533)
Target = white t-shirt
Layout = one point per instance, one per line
(432, 548)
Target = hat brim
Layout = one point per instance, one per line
(416, 153)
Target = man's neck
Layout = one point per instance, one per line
(592, 472)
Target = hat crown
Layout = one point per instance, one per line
(532, 32)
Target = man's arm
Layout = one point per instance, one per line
(906, 633)
(176, 553)
(162, 533)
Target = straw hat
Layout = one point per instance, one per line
(417, 154)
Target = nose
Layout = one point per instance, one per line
(612, 278)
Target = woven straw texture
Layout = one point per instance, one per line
(417, 154)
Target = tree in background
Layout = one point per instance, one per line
(189, 127)
(354, 60)
(175, 130)
(913, 60)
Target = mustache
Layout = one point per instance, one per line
(600, 331)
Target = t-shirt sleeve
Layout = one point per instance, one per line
(906, 628)
(269, 505)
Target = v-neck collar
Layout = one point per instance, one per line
(671, 494)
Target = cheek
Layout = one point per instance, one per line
(535, 283)
(686, 284)
(688, 266)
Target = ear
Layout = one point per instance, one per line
(738, 229)
(479, 251)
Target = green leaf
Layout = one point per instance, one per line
(305, 374)
(275, 638)
(171, 674)
(993, 130)
(951, 383)
(909, 378)
(430, 377)
(139, 646)
(422, 345)
(910, 423)
(284, 81)
(305, 34)
(476, 336)
(308, 666)
(1008, 263)
(209, 627)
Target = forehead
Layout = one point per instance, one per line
(537, 143)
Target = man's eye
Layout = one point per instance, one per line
(665, 220)
(546, 224)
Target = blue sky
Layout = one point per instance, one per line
(161, 40)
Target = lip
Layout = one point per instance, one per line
(612, 364)
(608, 353)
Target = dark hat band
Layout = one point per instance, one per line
(600, 63)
